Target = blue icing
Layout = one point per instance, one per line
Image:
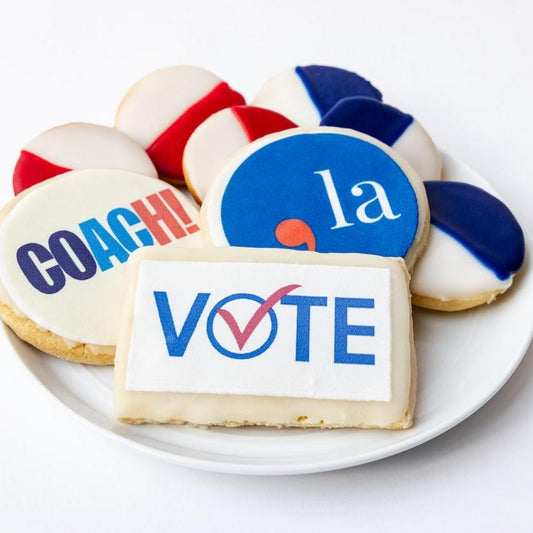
(369, 116)
(327, 85)
(480, 222)
(278, 182)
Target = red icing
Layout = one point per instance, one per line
(294, 232)
(32, 169)
(258, 122)
(157, 215)
(166, 151)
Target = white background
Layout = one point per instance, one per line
(462, 68)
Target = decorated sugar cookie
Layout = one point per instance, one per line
(63, 249)
(393, 127)
(219, 137)
(162, 110)
(306, 94)
(266, 337)
(325, 190)
(78, 145)
(475, 247)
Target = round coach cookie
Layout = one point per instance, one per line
(306, 94)
(78, 145)
(162, 110)
(475, 247)
(399, 130)
(64, 245)
(214, 142)
(323, 189)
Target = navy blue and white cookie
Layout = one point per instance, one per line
(399, 130)
(475, 247)
(321, 189)
(305, 94)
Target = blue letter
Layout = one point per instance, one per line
(303, 318)
(30, 258)
(122, 234)
(62, 255)
(176, 345)
(343, 330)
(96, 237)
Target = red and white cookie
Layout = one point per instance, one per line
(162, 110)
(76, 146)
(213, 143)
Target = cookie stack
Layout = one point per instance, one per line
(317, 164)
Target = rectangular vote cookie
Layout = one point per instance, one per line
(247, 336)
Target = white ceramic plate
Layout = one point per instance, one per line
(463, 359)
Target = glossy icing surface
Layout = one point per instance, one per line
(32, 169)
(286, 94)
(159, 98)
(167, 150)
(163, 109)
(213, 143)
(342, 188)
(369, 116)
(448, 271)
(328, 85)
(306, 94)
(391, 126)
(209, 148)
(236, 409)
(258, 122)
(78, 145)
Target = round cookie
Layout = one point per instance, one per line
(475, 247)
(306, 94)
(398, 130)
(162, 110)
(64, 245)
(321, 189)
(214, 142)
(78, 145)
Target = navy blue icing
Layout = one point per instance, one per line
(369, 116)
(480, 222)
(327, 85)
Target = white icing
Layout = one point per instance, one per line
(238, 409)
(98, 348)
(83, 311)
(448, 271)
(418, 148)
(79, 145)
(157, 100)
(5, 298)
(94, 348)
(209, 148)
(286, 94)
(276, 370)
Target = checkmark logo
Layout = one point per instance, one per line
(242, 336)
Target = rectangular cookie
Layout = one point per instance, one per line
(245, 336)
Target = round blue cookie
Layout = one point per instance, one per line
(398, 130)
(326, 189)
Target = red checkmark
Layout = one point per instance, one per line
(242, 336)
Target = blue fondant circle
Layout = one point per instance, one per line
(278, 182)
